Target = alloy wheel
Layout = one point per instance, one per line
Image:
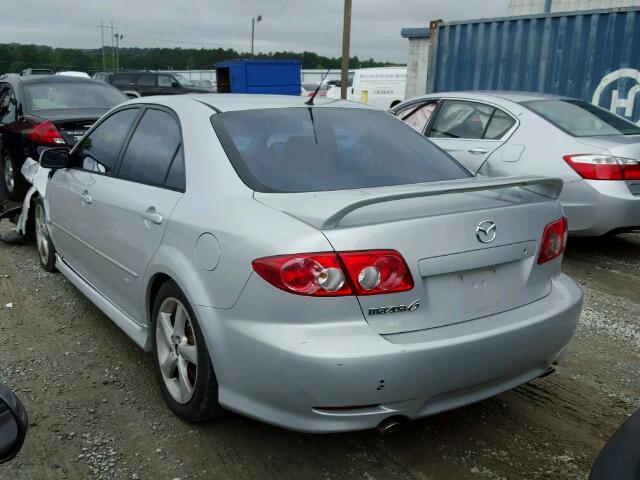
(9, 177)
(42, 234)
(176, 350)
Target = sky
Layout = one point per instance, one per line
(294, 25)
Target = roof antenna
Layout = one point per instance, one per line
(310, 101)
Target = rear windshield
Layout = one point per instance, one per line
(326, 148)
(56, 96)
(582, 119)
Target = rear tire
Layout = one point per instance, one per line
(46, 250)
(14, 185)
(181, 359)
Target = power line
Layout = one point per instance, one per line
(284, 5)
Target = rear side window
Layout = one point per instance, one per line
(99, 151)
(582, 119)
(123, 78)
(152, 148)
(324, 148)
(470, 120)
(147, 80)
(7, 105)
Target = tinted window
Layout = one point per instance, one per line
(460, 119)
(99, 151)
(152, 148)
(417, 117)
(123, 78)
(582, 119)
(500, 124)
(56, 96)
(147, 80)
(316, 149)
(7, 106)
(176, 177)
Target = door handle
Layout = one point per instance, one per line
(478, 151)
(85, 198)
(152, 216)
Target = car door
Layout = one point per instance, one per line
(470, 131)
(146, 84)
(71, 193)
(168, 85)
(134, 206)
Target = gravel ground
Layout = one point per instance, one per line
(96, 412)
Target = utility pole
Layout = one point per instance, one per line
(119, 37)
(113, 52)
(253, 30)
(104, 66)
(346, 40)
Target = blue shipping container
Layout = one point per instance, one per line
(279, 77)
(593, 55)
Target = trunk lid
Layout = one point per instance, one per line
(457, 277)
(73, 123)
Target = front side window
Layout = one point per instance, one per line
(152, 148)
(165, 80)
(325, 148)
(7, 106)
(582, 119)
(417, 117)
(99, 151)
(59, 96)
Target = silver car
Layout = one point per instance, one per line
(323, 268)
(595, 153)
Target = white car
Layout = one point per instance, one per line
(379, 87)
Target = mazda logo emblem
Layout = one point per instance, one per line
(486, 231)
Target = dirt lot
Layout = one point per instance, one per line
(96, 412)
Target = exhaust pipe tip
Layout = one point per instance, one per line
(391, 424)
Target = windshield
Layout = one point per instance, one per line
(56, 96)
(320, 149)
(582, 119)
(184, 81)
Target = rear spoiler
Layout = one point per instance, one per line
(546, 186)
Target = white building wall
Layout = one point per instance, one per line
(417, 63)
(531, 7)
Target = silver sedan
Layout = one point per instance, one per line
(596, 153)
(319, 267)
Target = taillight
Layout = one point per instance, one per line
(46, 132)
(604, 167)
(554, 240)
(337, 274)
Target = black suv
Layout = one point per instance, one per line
(39, 111)
(143, 84)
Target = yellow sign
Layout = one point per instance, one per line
(364, 96)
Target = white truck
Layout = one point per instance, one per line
(381, 87)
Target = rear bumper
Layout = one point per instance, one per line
(597, 207)
(284, 374)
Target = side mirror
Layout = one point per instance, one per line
(175, 84)
(54, 158)
(13, 424)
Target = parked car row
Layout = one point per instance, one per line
(593, 151)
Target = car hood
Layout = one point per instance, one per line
(627, 146)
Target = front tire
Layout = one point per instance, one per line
(46, 250)
(181, 360)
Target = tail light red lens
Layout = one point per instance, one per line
(554, 240)
(46, 132)
(337, 274)
(604, 167)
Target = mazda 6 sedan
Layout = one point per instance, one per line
(319, 267)
(594, 152)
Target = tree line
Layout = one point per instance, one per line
(16, 57)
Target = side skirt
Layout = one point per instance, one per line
(137, 333)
